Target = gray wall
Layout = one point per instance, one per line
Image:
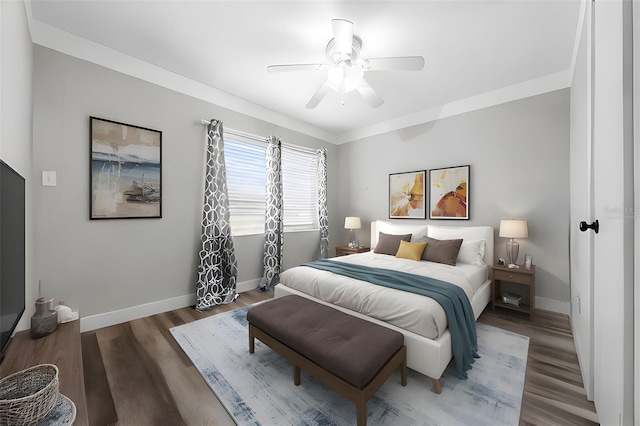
(518, 154)
(106, 265)
(16, 64)
(519, 158)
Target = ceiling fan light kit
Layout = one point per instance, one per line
(346, 69)
(344, 75)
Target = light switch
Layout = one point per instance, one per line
(48, 178)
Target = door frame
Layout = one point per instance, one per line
(636, 189)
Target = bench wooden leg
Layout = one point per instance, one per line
(251, 341)
(296, 375)
(403, 373)
(361, 411)
(437, 385)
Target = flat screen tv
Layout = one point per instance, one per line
(12, 252)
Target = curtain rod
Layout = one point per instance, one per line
(255, 137)
(239, 133)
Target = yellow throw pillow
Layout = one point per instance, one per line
(411, 251)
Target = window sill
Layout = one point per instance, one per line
(248, 234)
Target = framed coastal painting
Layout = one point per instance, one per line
(449, 193)
(125, 170)
(406, 195)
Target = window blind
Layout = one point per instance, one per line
(246, 183)
(300, 189)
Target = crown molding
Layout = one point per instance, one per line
(53, 38)
(549, 83)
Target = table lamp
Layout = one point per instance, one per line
(351, 223)
(513, 229)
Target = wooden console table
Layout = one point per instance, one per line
(62, 348)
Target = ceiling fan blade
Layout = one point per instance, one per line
(297, 67)
(319, 95)
(343, 35)
(369, 95)
(409, 63)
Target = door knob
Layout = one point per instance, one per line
(595, 226)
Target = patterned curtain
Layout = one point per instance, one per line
(218, 269)
(273, 225)
(323, 213)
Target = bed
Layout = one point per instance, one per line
(417, 317)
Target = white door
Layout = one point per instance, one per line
(602, 189)
(581, 202)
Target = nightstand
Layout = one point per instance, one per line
(345, 250)
(524, 280)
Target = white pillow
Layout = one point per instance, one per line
(401, 229)
(472, 252)
(473, 242)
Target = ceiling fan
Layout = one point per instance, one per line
(346, 69)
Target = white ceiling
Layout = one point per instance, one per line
(471, 48)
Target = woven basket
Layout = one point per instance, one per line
(26, 397)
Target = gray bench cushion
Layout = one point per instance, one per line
(349, 347)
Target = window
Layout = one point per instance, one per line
(246, 183)
(299, 189)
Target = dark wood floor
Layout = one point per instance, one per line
(136, 374)
(553, 392)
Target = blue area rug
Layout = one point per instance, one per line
(258, 388)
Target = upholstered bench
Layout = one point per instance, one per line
(351, 355)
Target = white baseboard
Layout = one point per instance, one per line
(248, 285)
(107, 319)
(553, 305)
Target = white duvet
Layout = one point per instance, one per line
(419, 314)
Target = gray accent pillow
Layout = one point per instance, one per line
(389, 244)
(441, 251)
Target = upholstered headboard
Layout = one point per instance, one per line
(468, 233)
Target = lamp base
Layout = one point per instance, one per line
(353, 243)
(513, 249)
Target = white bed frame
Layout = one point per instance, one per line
(427, 356)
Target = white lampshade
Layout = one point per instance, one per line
(352, 222)
(514, 228)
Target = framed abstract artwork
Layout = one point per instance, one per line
(125, 170)
(406, 195)
(528, 260)
(449, 193)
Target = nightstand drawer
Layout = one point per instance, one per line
(513, 277)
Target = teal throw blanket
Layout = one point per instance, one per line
(453, 299)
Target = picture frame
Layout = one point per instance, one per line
(528, 260)
(125, 169)
(449, 193)
(406, 195)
